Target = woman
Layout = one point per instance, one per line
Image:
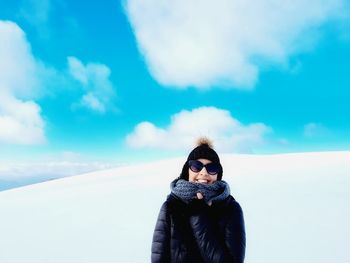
(200, 221)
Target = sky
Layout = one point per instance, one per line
(97, 83)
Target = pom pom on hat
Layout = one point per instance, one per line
(204, 141)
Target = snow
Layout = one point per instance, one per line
(295, 206)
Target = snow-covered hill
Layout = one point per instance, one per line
(295, 205)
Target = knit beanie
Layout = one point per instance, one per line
(204, 150)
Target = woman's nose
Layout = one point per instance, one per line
(203, 171)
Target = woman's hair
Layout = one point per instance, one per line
(203, 150)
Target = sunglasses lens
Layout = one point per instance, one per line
(195, 166)
(212, 168)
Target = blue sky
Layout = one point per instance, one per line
(122, 81)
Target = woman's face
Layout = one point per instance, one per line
(202, 176)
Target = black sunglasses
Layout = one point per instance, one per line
(197, 166)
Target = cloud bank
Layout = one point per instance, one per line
(49, 169)
(190, 43)
(228, 134)
(18, 174)
(20, 73)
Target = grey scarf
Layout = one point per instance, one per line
(187, 191)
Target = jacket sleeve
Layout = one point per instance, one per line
(211, 245)
(161, 237)
(235, 238)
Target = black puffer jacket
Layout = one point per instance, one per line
(197, 232)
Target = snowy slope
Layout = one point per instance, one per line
(296, 210)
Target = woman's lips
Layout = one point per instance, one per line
(202, 181)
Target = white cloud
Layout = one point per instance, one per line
(227, 132)
(40, 16)
(191, 43)
(18, 68)
(20, 122)
(283, 141)
(36, 12)
(312, 130)
(94, 77)
(20, 118)
(91, 101)
(78, 70)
